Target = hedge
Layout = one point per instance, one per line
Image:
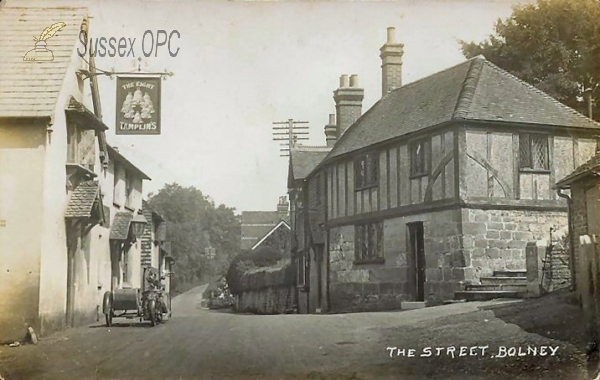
(281, 274)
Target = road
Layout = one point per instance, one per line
(197, 343)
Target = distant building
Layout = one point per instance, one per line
(255, 225)
(307, 217)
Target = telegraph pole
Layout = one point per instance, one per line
(290, 133)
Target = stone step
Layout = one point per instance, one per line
(412, 305)
(503, 280)
(486, 295)
(510, 273)
(507, 287)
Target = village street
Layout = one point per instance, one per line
(204, 344)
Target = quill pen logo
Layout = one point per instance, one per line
(41, 53)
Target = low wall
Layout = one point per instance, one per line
(548, 269)
(267, 290)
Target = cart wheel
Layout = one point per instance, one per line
(108, 317)
(152, 312)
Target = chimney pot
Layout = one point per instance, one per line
(331, 119)
(391, 35)
(354, 80)
(391, 63)
(344, 81)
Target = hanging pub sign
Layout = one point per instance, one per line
(138, 106)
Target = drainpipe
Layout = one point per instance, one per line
(571, 235)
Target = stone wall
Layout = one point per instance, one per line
(557, 274)
(496, 239)
(382, 286)
(548, 268)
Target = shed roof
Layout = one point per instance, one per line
(82, 200)
(473, 90)
(118, 157)
(119, 229)
(29, 88)
(591, 167)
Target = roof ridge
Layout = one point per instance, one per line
(411, 84)
(540, 92)
(434, 74)
(467, 91)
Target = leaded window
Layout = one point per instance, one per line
(369, 242)
(533, 151)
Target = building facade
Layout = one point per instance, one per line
(582, 187)
(440, 183)
(67, 199)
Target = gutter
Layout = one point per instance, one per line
(560, 193)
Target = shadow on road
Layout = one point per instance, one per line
(123, 324)
(556, 316)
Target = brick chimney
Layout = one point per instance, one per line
(348, 102)
(282, 206)
(331, 131)
(391, 63)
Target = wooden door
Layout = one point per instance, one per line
(417, 259)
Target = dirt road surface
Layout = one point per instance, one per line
(197, 343)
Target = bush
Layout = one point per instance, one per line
(245, 261)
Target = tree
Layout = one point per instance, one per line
(554, 45)
(195, 224)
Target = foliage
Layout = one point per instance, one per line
(247, 260)
(554, 45)
(194, 223)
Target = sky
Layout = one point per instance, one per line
(243, 65)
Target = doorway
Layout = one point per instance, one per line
(416, 260)
(73, 246)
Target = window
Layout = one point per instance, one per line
(116, 191)
(318, 188)
(128, 190)
(366, 171)
(533, 151)
(368, 241)
(419, 158)
(73, 141)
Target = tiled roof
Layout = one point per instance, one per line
(281, 224)
(592, 166)
(115, 156)
(82, 199)
(304, 159)
(119, 230)
(84, 117)
(473, 90)
(256, 224)
(30, 89)
(260, 217)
